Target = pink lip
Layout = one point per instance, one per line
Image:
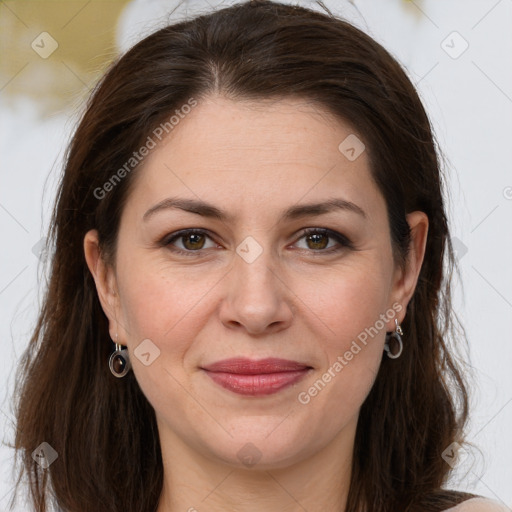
(255, 378)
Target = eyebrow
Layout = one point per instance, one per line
(295, 212)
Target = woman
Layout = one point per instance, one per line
(248, 308)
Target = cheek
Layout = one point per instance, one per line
(163, 303)
(346, 300)
(352, 306)
(168, 308)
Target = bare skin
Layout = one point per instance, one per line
(299, 300)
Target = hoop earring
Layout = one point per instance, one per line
(398, 336)
(119, 362)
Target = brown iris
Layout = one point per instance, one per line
(197, 241)
(316, 240)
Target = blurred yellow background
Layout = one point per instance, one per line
(85, 32)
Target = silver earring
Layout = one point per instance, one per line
(119, 362)
(398, 337)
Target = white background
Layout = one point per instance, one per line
(469, 99)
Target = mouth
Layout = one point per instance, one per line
(256, 378)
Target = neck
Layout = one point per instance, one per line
(193, 482)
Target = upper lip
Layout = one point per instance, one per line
(245, 366)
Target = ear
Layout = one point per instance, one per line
(405, 279)
(104, 278)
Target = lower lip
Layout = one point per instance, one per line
(257, 385)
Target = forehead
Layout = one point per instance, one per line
(267, 152)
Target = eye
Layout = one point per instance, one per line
(317, 240)
(192, 240)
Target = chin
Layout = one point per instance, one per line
(259, 448)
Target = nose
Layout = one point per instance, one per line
(257, 299)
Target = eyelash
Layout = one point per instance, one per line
(342, 240)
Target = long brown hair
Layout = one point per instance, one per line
(103, 428)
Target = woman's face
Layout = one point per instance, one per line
(252, 285)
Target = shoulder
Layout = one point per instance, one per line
(479, 505)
